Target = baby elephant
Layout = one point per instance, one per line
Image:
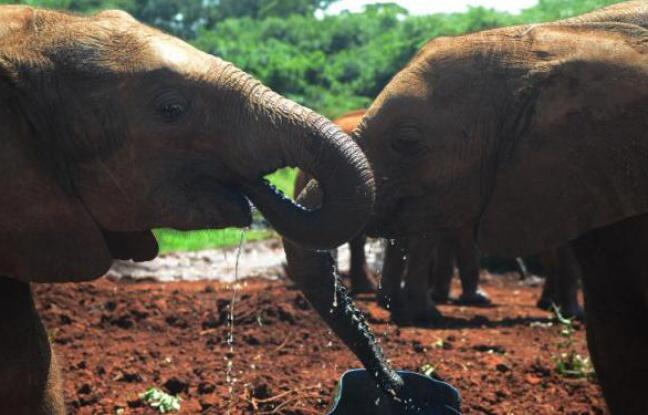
(109, 129)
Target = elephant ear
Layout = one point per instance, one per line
(46, 234)
(577, 157)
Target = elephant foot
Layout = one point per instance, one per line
(476, 298)
(573, 311)
(407, 316)
(545, 303)
(570, 310)
(440, 298)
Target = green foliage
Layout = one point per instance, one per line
(548, 10)
(184, 17)
(331, 64)
(171, 240)
(569, 363)
(427, 369)
(572, 365)
(261, 9)
(338, 63)
(161, 401)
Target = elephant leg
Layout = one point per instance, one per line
(361, 279)
(392, 274)
(468, 263)
(441, 271)
(549, 261)
(615, 281)
(417, 306)
(29, 378)
(569, 274)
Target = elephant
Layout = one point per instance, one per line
(534, 136)
(362, 280)
(110, 129)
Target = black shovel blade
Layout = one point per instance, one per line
(357, 394)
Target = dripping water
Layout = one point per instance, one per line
(336, 287)
(230, 377)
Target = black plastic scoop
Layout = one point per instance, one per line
(357, 394)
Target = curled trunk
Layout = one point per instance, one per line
(289, 135)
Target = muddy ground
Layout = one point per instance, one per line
(117, 338)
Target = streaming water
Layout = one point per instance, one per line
(336, 282)
(230, 377)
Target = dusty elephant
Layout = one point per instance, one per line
(111, 128)
(362, 280)
(466, 134)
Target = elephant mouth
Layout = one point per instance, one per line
(401, 219)
(138, 246)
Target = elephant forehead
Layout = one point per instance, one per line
(15, 18)
(173, 53)
(169, 52)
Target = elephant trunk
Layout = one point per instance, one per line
(290, 135)
(315, 275)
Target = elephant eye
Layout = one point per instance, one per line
(408, 141)
(171, 106)
(173, 112)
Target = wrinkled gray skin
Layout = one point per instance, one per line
(111, 128)
(532, 136)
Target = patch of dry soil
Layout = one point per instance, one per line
(117, 338)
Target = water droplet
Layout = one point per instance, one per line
(336, 287)
(235, 286)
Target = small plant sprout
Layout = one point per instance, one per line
(427, 369)
(573, 365)
(569, 363)
(438, 344)
(161, 401)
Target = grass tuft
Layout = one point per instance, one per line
(161, 401)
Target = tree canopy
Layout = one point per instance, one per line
(331, 63)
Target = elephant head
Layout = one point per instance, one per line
(530, 135)
(111, 128)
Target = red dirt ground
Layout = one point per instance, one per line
(116, 339)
